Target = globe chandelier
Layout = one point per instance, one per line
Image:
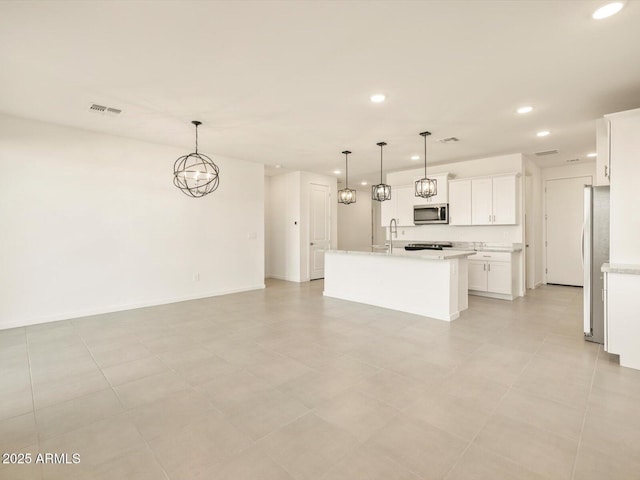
(195, 174)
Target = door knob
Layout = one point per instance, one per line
(311, 243)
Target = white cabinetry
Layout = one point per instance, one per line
(603, 165)
(399, 207)
(460, 202)
(491, 275)
(483, 201)
(442, 189)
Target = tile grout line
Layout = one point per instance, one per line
(491, 415)
(123, 408)
(584, 418)
(33, 401)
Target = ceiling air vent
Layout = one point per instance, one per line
(449, 140)
(546, 152)
(104, 110)
(573, 160)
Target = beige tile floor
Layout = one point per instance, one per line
(286, 384)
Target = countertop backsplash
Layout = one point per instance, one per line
(478, 246)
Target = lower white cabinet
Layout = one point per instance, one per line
(491, 274)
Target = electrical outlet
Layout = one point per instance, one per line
(252, 235)
(196, 277)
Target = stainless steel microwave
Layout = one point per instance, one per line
(428, 214)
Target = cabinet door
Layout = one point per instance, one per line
(405, 200)
(442, 188)
(460, 202)
(603, 134)
(499, 277)
(481, 201)
(477, 275)
(504, 200)
(388, 210)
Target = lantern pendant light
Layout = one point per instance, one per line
(426, 187)
(196, 174)
(382, 191)
(346, 195)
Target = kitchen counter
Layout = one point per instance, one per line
(431, 283)
(445, 254)
(468, 246)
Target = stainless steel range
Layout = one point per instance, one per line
(428, 246)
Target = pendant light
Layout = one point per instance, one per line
(196, 174)
(382, 191)
(426, 187)
(346, 195)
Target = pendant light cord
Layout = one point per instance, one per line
(197, 143)
(381, 164)
(425, 156)
(346, 170)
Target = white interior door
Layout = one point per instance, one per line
(319, 229)
(563, 217)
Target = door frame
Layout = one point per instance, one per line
(308, 226)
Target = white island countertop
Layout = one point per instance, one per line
(431, 283)
(417, 254)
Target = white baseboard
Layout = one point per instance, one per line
(127, 306)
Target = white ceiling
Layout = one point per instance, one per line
(289, 82)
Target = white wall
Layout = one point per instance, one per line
(534, 210)
(582, 169)
(306, 179)
(284, 220)
(354, 223)
(92, 223)
(289, 223)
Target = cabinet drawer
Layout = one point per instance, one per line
(492, 256)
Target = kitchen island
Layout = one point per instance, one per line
(432, 283)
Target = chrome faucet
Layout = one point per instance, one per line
(393, 230)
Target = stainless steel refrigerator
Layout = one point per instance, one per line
(595, 252)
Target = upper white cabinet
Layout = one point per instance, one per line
(403, 198)
(399, 207)
(460, 202)
(505, 200)
(442, 189)
(603, 165)
(483, 201)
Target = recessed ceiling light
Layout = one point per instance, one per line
(592, 154)
(363, 183)
(377, 98)
(337, 172)
(278, 166)
(525, 109)
(415, 157)
(607, 10)
(543, 133)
